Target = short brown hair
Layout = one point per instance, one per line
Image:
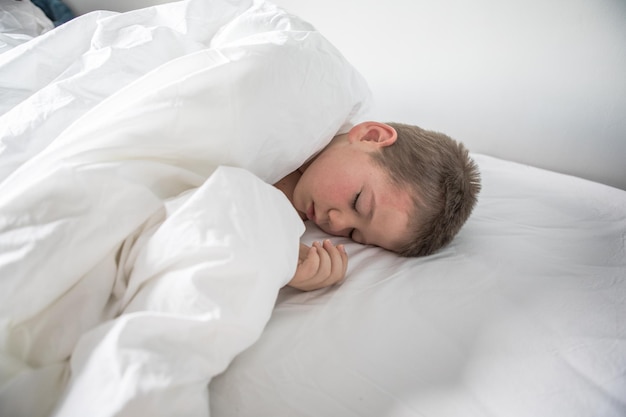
(442, 179)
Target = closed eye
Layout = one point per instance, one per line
(356, 198)
(354, 202)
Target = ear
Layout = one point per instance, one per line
(373, 133)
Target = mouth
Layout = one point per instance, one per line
(310, 213)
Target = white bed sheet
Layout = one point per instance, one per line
(523, 315)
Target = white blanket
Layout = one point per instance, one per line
(132, 268)
(21, 21)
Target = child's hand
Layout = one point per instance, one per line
(319, 266)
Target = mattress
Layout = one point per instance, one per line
(524, 314)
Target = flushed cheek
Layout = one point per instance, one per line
(335, 197)
(325, 191)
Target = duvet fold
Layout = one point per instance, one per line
(142, 246)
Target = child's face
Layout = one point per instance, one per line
(347, 194)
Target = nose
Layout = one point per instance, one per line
(338, 223)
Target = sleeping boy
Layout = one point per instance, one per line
(396, 186)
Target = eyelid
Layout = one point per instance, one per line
(354, 202)
(356, 197)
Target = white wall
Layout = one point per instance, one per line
(541, 82)
(537, 81)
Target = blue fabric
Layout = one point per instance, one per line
(56, 10)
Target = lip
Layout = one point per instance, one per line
(310, 213)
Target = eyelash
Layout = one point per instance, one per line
(356, 197)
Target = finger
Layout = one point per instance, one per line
(303, 253)
(337, 261)
(337, 271)
(310, 265)
(344, 258)
(306, 270)
(325, 264)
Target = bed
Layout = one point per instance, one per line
(144, 255)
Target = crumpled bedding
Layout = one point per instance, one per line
(141, 245)
(21, 21)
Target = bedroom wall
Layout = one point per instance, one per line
(538, 82)
(535, 81)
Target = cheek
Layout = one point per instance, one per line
(335, 193)
(324, 186)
